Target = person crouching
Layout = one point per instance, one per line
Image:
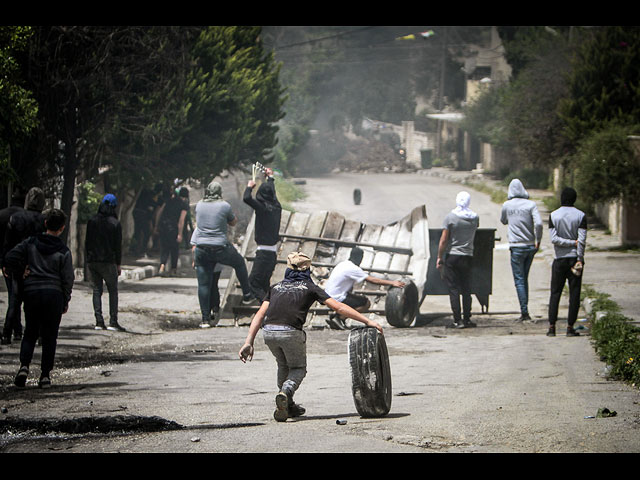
(282, 316)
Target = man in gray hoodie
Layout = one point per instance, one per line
(525, 233)
(568, 233)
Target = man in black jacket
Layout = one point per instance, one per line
(266, 233)
(103, 247)
(45, 263)
(22, 224)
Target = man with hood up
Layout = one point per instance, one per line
(455, 256)
(45, 263)
(103, 247)
(525, 234)
(210, 247)
(266, 233)
(22, 225)
(568, 232)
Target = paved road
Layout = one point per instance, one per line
(502, 387)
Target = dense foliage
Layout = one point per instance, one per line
(572, 101)
(144, 104)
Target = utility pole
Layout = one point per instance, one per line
(441, 90)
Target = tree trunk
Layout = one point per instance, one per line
(68, 188)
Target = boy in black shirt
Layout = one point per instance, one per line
(46, 264)
(284, 312)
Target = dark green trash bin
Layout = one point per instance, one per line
(481, 272)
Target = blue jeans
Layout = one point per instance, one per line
(206, 258)
(521, 259)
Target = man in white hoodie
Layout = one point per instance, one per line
(525, 233)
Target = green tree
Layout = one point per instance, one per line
(604, 85)
(607, 166)
(235, 101)
(18, 108)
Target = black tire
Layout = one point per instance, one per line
(401, 305)
(357, 196)
(370, 372)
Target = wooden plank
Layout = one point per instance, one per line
(350, 232)
(403, 239)
(370, 235)
(348, 243)
(385, 271)
(382, 260)
(296, 226)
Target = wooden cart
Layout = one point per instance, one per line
(401, 250)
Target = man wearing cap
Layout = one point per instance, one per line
(282, 316)
(341, 281)
(103, 251)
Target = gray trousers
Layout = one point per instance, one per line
(289, 347)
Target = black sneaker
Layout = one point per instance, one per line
(17, 336)
(455, 325)
(524, 318)
(100, 326)
(282, 407)
(21, 377)
(571, 332)
(296, 410)
(249, 300)
(44, 382)
(551, 332)
(115, 327)
(5, 340)
(336, 323)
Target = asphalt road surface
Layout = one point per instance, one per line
(165, 386)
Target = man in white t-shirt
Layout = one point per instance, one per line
(340, 285)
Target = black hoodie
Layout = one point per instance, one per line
(103, 242)
(268, 212)
(49, 261)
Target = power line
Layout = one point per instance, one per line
(328, 37)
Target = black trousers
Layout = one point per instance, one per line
(261, 271)
(42, 315)
(169, 247)
(560, 274)
(457, 278)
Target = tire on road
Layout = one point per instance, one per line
(401, 305)
(357, 196)
(370, 372)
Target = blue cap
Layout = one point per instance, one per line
(110, 199)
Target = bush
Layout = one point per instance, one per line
(88, 201)
(607, 165)
(530, 177)
(615, 339)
